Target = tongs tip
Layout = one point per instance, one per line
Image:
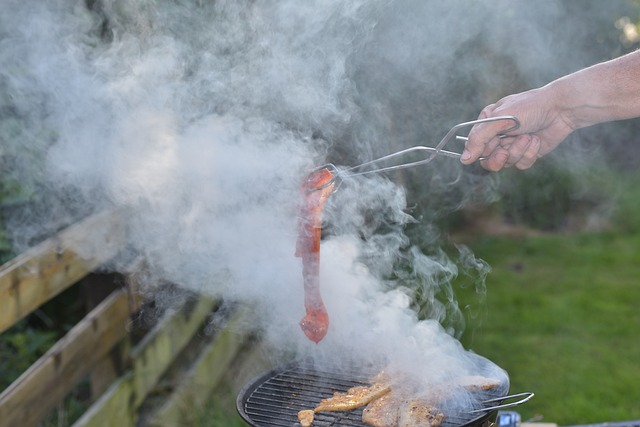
(322, 177)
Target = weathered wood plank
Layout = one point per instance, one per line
(203, 377)
(150, 360)
(114, 408)
(109, 368)
(31, 397)
(36, 276)
(153, 356)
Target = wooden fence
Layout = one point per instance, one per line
(124, 373)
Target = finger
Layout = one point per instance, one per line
(479, 136)
(497, 160)
(483, 139)
(531, 154)
(491, 146)
(517, 148)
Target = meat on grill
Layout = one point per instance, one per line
(402, 406)
(478, 382)
(306, 417)
(419, 413)
(382, 412)
(353, 398)
(394, 410)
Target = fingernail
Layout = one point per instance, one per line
(466, 155)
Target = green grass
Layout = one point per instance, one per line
(563, 318)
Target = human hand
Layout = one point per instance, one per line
(542, 127)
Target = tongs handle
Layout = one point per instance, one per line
(525, 397)
(432, 151)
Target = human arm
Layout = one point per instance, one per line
(604, 92)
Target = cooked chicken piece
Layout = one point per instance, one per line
(405, 406)
(354, 398)
(306, 417)
(396, 410)
(382, 412)
(418, 413)
(473, 383)
(478, 382)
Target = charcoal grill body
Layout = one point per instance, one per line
(275, 398)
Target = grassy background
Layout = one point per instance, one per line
(563, 318)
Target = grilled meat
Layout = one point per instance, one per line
(394, 410)
(317, 188)
(419, 413)
(306, 417)
(354, 398)
(403, 406)
(382, 412)
(478, 382)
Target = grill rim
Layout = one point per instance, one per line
(248, 389)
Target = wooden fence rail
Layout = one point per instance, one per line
(123, 374)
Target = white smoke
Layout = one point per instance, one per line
(200, 119)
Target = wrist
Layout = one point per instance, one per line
(565, 103)
(578, 101)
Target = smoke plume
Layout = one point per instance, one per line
(200, 119)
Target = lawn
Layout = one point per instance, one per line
(562, 316)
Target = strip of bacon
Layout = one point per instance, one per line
(317, 188)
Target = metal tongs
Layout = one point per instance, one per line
(430, 153)
(524, 397)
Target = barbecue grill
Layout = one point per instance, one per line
(275, 398)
